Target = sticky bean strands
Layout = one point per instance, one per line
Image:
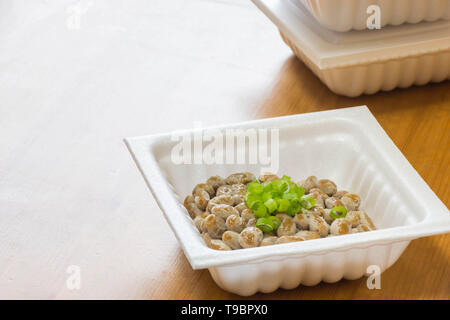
(241, 212)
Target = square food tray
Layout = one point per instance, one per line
(364, 160)
(363, 62)
(345, 15)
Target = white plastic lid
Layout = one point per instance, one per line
(330, 49)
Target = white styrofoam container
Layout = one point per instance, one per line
(345, 15)
(345, 145)
(364, 62)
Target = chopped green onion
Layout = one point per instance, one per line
(267, 196)
(276, 222)
(283, 205)
(338, 212)
(259, 209)
(276, 196)
(298, 190)
(267, 187)
(307, 202)
(271, 205)
(251, 200)
(255, 187)
(254, 204)
(290, 196)
(294, 208)
(250, 196)
(265, 224)
(280, 186)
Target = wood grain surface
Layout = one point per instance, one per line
(70, 193)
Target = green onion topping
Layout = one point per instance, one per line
(276, 222)
(308, 202)
(265, 224)
(283, 205)
(338, 212)
(266, 200)
(271, 205)
(259, 209)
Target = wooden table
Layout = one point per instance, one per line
(78, 77)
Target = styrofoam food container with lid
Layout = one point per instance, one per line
(345, 15)
(358, 62)
(347, 146)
